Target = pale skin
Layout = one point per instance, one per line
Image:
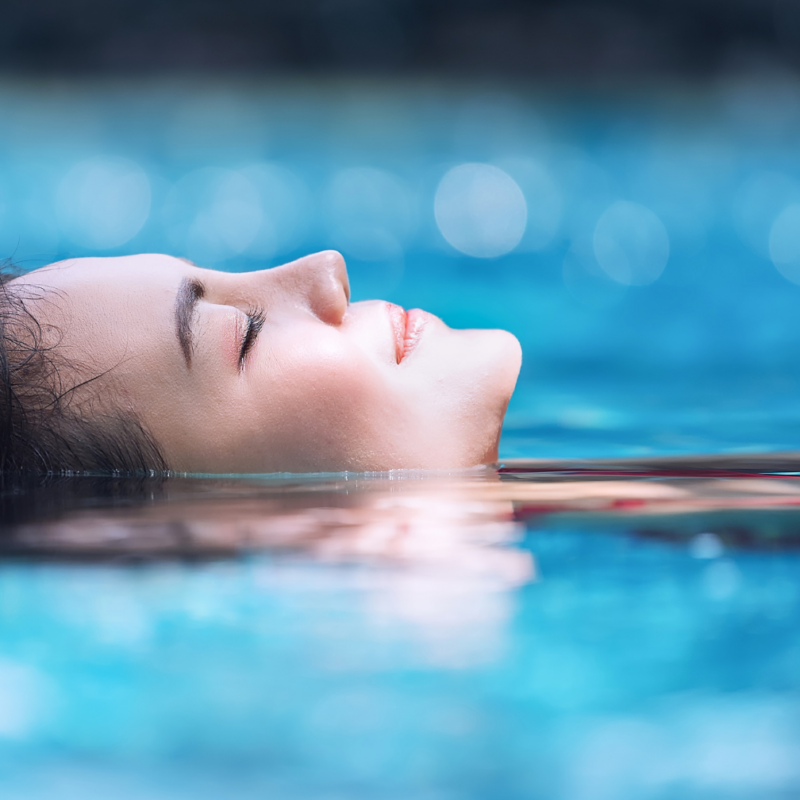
(325, 385)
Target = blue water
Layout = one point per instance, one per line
(432, 638)
(241, 175)
(398, 640)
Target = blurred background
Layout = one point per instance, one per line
(618, 183)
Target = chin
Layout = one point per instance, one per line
(499, 381)
(509, 363)
(470, 427)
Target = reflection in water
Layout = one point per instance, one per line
(433, 559)
(544, 630)
(467, 522)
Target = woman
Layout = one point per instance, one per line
(149, 362)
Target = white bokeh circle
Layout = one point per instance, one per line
(102, 202)
(631, 244)
(480, 210)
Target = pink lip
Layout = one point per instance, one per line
(407, 326)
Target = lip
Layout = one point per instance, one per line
(416, 320)
(407, 327)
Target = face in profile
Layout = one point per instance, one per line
(275, 370)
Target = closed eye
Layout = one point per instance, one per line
(255, 322)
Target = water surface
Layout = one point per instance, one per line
(559, 630)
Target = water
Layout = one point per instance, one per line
(245, 174)
(566, 630)
(626, 633)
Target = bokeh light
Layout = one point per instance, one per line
(480, 210)
(631, 244)
(24, 697)
(102, 203)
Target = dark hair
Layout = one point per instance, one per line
(43, 429)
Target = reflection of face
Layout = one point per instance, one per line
(323, 385)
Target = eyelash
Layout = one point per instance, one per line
(255, 322)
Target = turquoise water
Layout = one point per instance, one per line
(539, 635)
(405, 637)
(693, 190)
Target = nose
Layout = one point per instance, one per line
(320, 282)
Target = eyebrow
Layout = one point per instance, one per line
(189, 293)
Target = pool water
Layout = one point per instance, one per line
(640, 243)
(570, 629)
(623, 632)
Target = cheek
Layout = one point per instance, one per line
(329, 407)
(323, 372)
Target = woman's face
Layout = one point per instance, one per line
(275, 370)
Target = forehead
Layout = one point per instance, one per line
(105, 295)
(103, 311)
(110, 276)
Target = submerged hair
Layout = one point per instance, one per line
(43, 428)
